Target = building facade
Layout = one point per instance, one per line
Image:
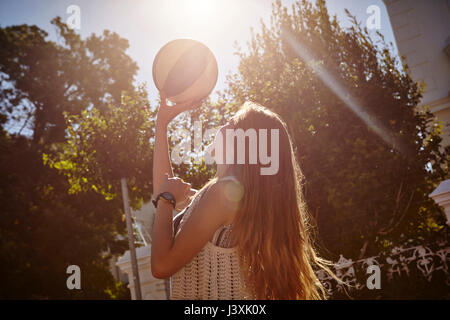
(422, 34)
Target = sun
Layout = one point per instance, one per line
(192, 17)
(200, 12)
(187, 14)
(208, 21)
(199, 7)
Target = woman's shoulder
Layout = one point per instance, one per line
(226, 194)
(232, 189)
(215, 197)
(218, 194)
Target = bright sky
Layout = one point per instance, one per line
(148, 25)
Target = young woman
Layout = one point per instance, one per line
(244, 235)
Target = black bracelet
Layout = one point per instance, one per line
(167, 196)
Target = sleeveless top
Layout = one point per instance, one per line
(214, 273)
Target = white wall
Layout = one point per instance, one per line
(422, 32)
(151, 287)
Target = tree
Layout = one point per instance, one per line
(102, 148)
(370, 157)
(43, 227)
(42, 79)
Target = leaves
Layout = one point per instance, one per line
(101, 148)
(351, 110)
(44, 79)
(50, 220)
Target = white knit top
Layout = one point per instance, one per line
(214, 273)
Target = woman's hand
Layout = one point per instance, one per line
(176, 186)
(161, 160)
(167, 113)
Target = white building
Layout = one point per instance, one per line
(151, 287)
(422, 33)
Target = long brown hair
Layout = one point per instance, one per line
(272, 228)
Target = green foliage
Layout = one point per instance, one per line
(101, 148)
(44, 228)
(351, 110)
(46, 79)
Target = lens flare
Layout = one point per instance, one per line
(334, 85)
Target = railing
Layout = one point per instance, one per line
(420, 261)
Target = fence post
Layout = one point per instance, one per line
(135, 271)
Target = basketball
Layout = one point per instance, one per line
(185, 69)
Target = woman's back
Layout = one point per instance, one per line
(215, 272)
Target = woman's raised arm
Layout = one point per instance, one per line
(161, 158)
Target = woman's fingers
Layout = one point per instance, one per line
(190, 105)
(176, 186)
(183, 184)
(181, 188)
(169, 112)
(178, 181)
(188, 188)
